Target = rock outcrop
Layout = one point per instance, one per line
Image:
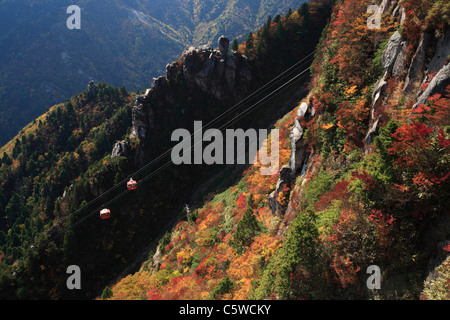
(92, 89)
(285, 179)
(393, 60)
(224, 45)
(437, 85)
(373, 131)
(417, 67)
(385, 6)
(140, 119)
(298, 158)
(221, 74)
(441, 54)
(119, 150)
(298, 151)
(377, 95)
(391, 52)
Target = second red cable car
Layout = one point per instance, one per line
(105, 214)
(132, 184)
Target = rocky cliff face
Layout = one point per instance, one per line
(424, 74)
(221, 74)
(298, 158)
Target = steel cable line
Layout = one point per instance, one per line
(166, 165)
(81, 220)
(149, 176)
(256, 93)
(229, 110)
(233, 120)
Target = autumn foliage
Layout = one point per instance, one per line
(352, 208)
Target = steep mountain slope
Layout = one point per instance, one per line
(121, 42)
(64, 167)
(365, 180)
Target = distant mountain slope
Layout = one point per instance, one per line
(121, 42)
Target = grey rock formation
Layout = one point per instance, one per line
(171, 72)
(302, 109)
(417, 66)
(390, 53)
(399, 64)
(119, 150)
(218, 73)
(441, 54)
(92, 89)
(224, 45)
(225, 75)
(298, 159)
(140, 120)
(284, 180)
(305, 164)
(398, 12)
(298, 148)
(373, 131)
(204, 48)
(156, 259)
(384, 6)
(437, 85)
(377, 95)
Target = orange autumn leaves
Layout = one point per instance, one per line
(247, 267)
(352, 118)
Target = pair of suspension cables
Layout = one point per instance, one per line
(277, 85)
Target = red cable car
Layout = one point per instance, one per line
(132, 185)
(105, 214)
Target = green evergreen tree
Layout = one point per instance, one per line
(225, 286)
(259, 49)
(277, 18)
(107, 293)
(280, 32)
(6, 159)
(235, 45)
(2, 238)
(247, 229)
(289, 13)
(69, 246)
(265, 32)
(249, 44)
(304, 12)
(13, 208)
